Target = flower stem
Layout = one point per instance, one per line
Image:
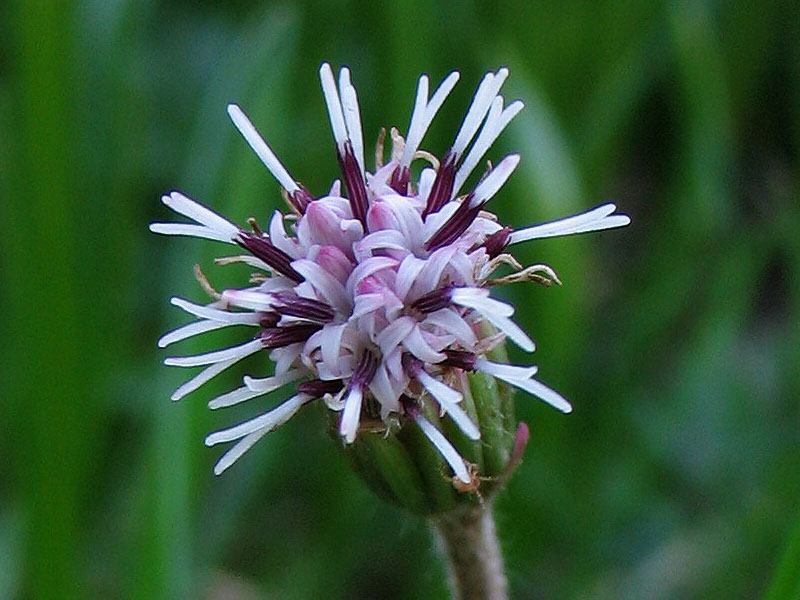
(468, 540)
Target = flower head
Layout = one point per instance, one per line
(375, 297)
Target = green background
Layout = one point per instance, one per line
(677, 339)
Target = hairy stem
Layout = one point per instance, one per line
(468, 541)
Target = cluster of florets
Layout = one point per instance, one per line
(377, 298)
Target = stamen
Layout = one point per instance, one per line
(433, 301)
(460, 359)
(354, 183)
(288, 303)
(262, 248)
(278, 337)
(456, 225)
(318, 387)
(442, 185)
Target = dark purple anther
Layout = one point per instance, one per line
(410, 407)
(301, 199)
(278, 337)
(269, 319)
(457, 224)
(261, 247)
(460, 359)
(354, 183)
(365, 370)
(433, 301)
(288, 303)
(399, 180)
(412, 365)
(496, 242)
(318, 387)
(442, 185)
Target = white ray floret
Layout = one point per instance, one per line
(522, 377)
(445, 448)
(191, 330)
(352, 117)
(448, 399)
(253, 388)
(251, 431)
(595, 219)
(213, 313)
(348, 425)
(495, 124)
(495, 180)
(484, 96)
(333, 102)
(261, 148)
(212, 226)
(424, 112)
(196, 360)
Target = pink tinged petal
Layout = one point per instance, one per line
(380, 216)
(381, 387)
(445, 448)
(234, 353)
(386, 239)
(367, 268)
(324, 226)
(463, 267)
(391, 336)
(448, 399)
(348, 425)
(334, 261)
(493, 126)
(408, 220)
(328, 287)
(285, 358)
(492, 183)
(367, 303)
(596, 219)
(428, 279)
(260, 147)
(331, 345)
(261, 424)
(450, 321)
(407, 274)
(415, 343)
(278, 237)
(436, 220)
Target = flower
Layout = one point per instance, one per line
(377, 299)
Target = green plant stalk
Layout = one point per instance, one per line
(468, 541)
